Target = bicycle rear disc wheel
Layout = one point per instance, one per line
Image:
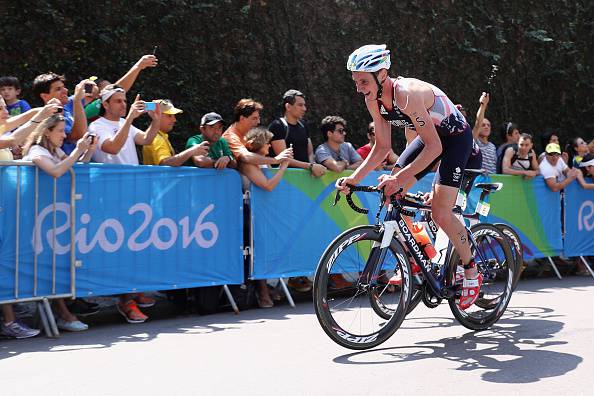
(350, 274)
(495, 261)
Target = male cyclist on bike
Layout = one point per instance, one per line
(442, 133)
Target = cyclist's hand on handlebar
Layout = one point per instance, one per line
(428, 198)
(343, 183)
(392, 184)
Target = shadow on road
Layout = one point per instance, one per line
(513, 351)
(108, 329)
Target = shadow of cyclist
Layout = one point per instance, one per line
(513, 351)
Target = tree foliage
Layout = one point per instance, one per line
(212, 53)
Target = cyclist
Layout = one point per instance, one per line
(442, 133)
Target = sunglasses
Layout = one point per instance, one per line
(341, 130)
(554, 154)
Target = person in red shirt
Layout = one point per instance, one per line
(364, 151)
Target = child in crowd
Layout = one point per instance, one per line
(10, 89)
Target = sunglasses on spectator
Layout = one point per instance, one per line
(341, 130)
(554, 154)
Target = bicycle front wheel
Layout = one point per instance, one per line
(495, 261)
(351, 278)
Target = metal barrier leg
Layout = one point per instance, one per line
(44, 322)
(554, 268)
(50, 317)
(587, 265)
(287, 293)
(231, 299)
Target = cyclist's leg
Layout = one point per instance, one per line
(456, 150)
(409, 154)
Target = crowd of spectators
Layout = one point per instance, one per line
(96, 124)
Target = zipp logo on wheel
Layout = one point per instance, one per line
(341, 247)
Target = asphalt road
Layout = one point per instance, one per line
(543, 345)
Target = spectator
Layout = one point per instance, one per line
(364, 151)
(246, 116)
(576, 149)
(160, 151)
(43, 148)
(520, 159)
(510, 134)
(481, 133)
(10, 89)
(550, 136)
(21, 127)
(49, 86)
(591, 147)
(258, 141)
(219, 154)
(117, 138)
(556, 173)
(586, 176)
(289, 131)
(93, 101)
(335, 154)
(13, 328)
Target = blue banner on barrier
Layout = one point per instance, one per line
(293, 224)
(137, 228)
(579, 221)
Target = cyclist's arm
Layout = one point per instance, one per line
(417, 111)
(381, 148)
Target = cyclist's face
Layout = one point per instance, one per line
(365, 84)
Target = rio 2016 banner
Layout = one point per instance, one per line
(533, 210)
(579, 221)
(137, 228)
(295, 222)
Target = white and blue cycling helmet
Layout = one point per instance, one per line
(369, 58)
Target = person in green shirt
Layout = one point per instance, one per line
(219, 155)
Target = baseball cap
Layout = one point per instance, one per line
(109, 91)
(211, 119)
(167, 107)
(553, 148)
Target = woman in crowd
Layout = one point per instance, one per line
(258, 141)
(25, 124)
(586, 176)
(43, 148)
(576, 149)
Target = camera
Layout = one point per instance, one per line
(59, 110)
(88, 88)
(92, 138)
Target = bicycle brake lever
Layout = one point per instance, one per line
(336, 198)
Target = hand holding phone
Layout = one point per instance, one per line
(150, 106)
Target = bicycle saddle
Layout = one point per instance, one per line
(489, 186)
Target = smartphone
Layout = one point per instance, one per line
(88, 88)
(152, 106)
(154, 50)
(92, 138)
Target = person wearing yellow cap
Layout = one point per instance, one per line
(555, 171)
(160, 151)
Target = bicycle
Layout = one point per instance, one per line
(473, 219)
(370, 255)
